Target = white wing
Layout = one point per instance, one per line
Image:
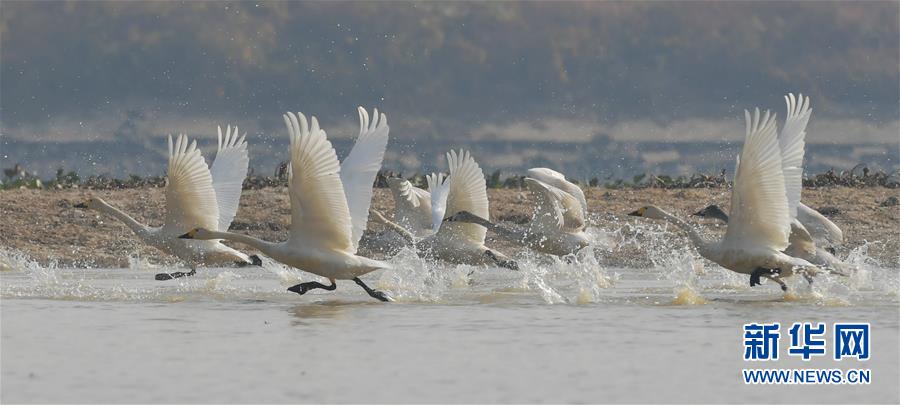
(561, 210)
(548, 213)
(319, 212)
(821, 228)
(439, 187)
(468, 192)
(558, 180)
(412, 206)
(800, 243)
(359, 169)
(759, 204)
(792, 144)
(190, 197)
(228, 172)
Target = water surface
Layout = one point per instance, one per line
(552, 333)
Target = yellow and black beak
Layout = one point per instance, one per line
(189, 235)
(638, 213)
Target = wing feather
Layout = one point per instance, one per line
(558, 180)
(439, 187)
(190, 197)
(228, 172)
(792, 144)
(412, 206)
(468, 192)
(319, 211)
(359, 169)
(823, 231)
(759, 203)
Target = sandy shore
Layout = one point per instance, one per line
(43, 224)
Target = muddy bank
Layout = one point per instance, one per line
(43, 224)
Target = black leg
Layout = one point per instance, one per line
(302, 288)
(373, 293)
(759, 271)
(508, 264)
(177, 274)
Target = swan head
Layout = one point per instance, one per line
(712, 211)
(650, 211)
(464, 216)
(90, 204)
(198, 233)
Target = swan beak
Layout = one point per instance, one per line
(449, 219)
(638, 213)
(189, 235)
(80, 205)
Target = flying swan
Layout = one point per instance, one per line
(764, 201)
(557, 225)
(455, 242)
(196, 196)
(809, 233)
(329, 204)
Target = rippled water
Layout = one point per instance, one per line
(554, 332)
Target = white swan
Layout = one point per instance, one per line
(329, 204)
(556, 227)
(764, 201)
(412, 207)
(412, 211)
(196, 196)
(558, 180)
(805, 244)
(456, 242)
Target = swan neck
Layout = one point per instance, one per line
(404, 233)
(258, 244)
(695, 237)
(135, 226)
(504, 232)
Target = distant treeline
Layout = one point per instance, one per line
(860, 176)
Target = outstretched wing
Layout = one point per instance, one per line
(823, 231)
(319, 212)
(468, 192)
(412, 206)
(439, 186)
(792, 143)
(759, 203)
(190, 197)
(359, 169)
(558, 180)
(228, 172)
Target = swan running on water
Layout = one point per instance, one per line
(764, 201)
(557, 225)
(455, 242)
(807, 237)
(329, 204)
(196, 196)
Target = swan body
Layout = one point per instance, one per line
(329, 204)
(802, 243)
(557, 225)
(196, 196)
(764, 200)
(455, 242)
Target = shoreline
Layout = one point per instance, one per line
(44, 226)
